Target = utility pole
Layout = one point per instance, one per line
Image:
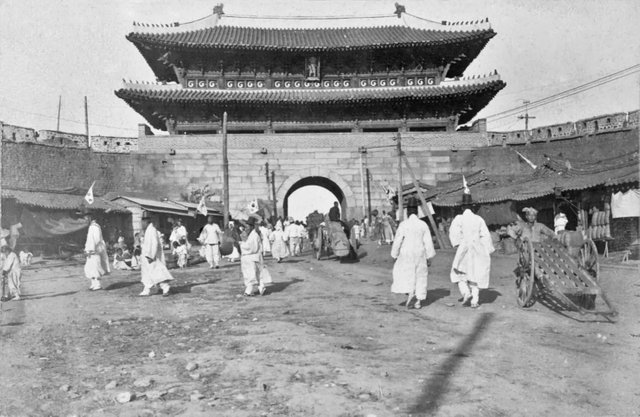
(400, 200)
(225, 172)
(86, 122)
(266, 172)
(362, 150)
(273, 189)
(368, 196)
(526, 116)
(59, 107)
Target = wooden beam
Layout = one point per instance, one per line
(425, 207)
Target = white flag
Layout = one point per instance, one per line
(89, 196)
(466, 187)
(531, 164)
(202, 207)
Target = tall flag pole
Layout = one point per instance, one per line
(531, 164)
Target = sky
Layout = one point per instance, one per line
(74, 48)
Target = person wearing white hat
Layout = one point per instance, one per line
(97, 263)
(412, 249)
(152, 263)
(472, 263)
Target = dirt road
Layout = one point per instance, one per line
(329, 339)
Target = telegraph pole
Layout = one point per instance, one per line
(59, 106)
(526, 116)
(225, 172)
(362, 151)
(266, 172)
(400, 200)
(273, 189)
(86, 121)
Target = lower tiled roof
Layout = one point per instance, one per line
(178, 94)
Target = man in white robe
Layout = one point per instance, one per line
(412, 249)
(210, 238)
(252, 262)
(472, 262)
(152, 262)
(97, 263)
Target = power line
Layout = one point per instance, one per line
(550, 100)
(567, 93)
(67, 120)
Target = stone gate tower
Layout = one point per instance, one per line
(346, 84)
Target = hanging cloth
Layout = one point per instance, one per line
(625, 204)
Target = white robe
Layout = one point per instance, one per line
(472, 262)
(411, 248)
(97, 263)
(252, 263)
(155, 272)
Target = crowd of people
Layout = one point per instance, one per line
(412, 247)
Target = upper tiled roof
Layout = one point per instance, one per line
(326, 39)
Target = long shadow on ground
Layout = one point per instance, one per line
(439, 383)
(281, 286)
(186, 288)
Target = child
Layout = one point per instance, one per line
(118, 261)
(25, 257)
(180, 251)
(135, 259)
(11, 270)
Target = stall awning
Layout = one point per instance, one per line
(57, 200)
(155, 206)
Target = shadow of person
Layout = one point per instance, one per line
(62, 294)
(120, 284)
(435, 295)
(186, 288)
(489, 295)
(281, 286)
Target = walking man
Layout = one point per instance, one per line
(412, 249)
(472, 262)
(210, 238)
(97, 263)
(152, 262)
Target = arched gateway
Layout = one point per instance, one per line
(328, 180)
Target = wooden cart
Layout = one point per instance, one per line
(573, 280)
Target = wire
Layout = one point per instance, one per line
(567, 93)
(422, 18)
(68, 120)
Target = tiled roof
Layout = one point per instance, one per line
(474, 94)
(569, 176)
(178, 94)
(309, 39)
(59, 201)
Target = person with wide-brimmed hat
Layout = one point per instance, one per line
(152, 263)
(412, 249)
(251, 261)
(95, 249)
(472, 262)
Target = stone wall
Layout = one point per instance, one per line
(592, 125)
(114, 144)
(62, 139)
(18, 134)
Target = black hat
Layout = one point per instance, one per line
(82, 210)
(412, 202)
(146, 215)
(467, 200)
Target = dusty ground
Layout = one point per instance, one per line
(328, 340)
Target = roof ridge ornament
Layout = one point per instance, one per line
(399, 10)
(218, 9)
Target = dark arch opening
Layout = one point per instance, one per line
(323, 182)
